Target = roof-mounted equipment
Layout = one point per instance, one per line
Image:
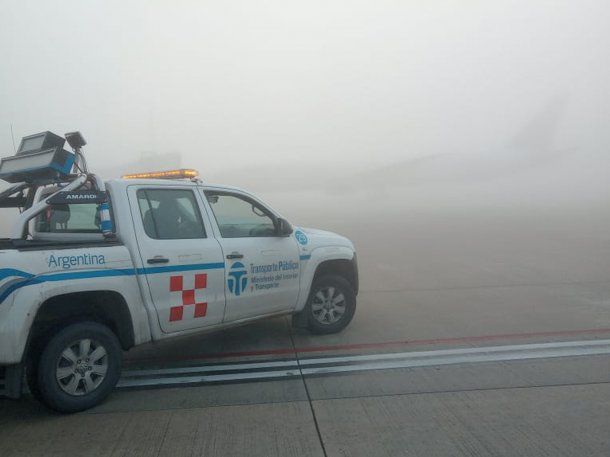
(40, 158)
(41, 161)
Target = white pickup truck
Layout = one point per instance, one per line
(171, 257)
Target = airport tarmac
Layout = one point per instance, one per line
(475, 335)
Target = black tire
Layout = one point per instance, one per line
(341, 286)
(49, 390)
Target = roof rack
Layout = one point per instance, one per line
(41, 161)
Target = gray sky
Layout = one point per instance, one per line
(325, 108)
(241, 83)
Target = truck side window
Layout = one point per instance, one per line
(170, 214)
(238, 217)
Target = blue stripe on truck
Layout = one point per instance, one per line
(8, 272)
(30, 279)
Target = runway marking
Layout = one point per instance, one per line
(235, 372)
(212, 368)
(384, 344)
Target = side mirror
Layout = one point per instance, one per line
(283, 227)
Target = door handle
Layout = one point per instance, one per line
(235, 255)
(158, 259)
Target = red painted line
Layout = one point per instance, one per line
(384, 344)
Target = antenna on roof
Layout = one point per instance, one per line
(13, 137)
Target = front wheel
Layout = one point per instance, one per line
(79, 367)
(331, 305)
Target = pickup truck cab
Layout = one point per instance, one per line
(170, 257)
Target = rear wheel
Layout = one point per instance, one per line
(331, 305)
(79, 367)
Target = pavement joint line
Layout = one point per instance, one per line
(384, 361)
(311, 407)
(474, 389)
(166, 428)
(94, 412)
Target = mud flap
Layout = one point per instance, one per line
(13, 382)
(299, 320)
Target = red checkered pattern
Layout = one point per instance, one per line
(183, 298)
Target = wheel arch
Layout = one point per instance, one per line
(106, 307)
(342, 262)
(340, 267)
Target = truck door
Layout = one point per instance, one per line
(262, 268)
(182, 264)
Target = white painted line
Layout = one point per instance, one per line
(474, 350)
(457, 359)
(210, 368)
(385, 361)
(151, 382)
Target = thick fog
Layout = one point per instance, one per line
(382, 120)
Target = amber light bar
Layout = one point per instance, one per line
(183, 173)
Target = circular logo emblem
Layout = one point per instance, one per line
(301, 237)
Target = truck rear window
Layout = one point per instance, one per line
(78, 218)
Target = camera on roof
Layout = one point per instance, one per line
(40, 158)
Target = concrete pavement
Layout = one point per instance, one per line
(460, 282)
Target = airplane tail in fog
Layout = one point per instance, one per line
(533, 146)
(539, 135)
